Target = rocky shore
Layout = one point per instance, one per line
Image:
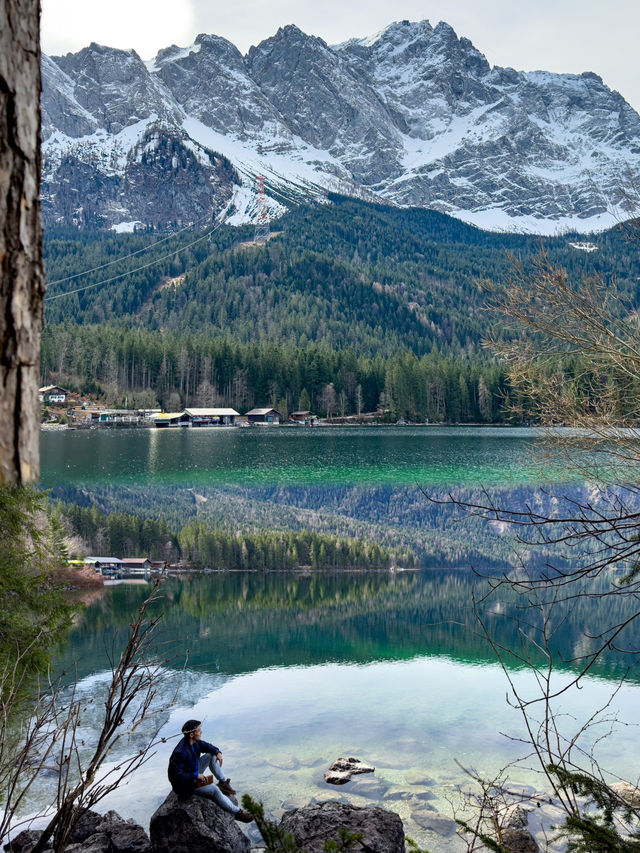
(198, 824)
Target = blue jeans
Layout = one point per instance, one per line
(208, 764)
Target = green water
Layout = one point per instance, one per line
(279, 456)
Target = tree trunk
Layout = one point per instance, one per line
(21, 278)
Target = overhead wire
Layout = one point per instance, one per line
(144, 266)
(130, 255)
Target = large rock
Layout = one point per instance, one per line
(94, 833)
(24, 841)
(108, 833)
(195, 824)
(314, 825)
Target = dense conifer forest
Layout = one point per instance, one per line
(201, 546)
(349, 308)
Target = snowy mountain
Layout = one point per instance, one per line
(412, 116)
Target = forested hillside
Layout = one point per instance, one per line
(200, 545)
(349, 307)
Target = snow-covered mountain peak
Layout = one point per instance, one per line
(414, 115)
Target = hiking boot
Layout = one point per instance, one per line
(243, 816)
(226, 788)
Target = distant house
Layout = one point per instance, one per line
(53, 395)
(264, 416)
(113, 416)
(211, 417)
(157, 567)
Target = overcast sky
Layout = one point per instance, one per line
(554, 35)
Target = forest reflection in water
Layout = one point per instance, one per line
(239, 622)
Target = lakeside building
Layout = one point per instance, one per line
(108, 567)
(128, 567)
(304, 418)
(196, 418)
(264, 416)
(53, 395)
(136, 567)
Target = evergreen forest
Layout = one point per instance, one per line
(348, 308)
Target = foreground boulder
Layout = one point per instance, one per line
(312, 826)
(343, 769)
(195, 824)
(94, 833)
(24, 841)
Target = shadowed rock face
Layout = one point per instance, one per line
(415, 115)
(196, 823)
(313, 826)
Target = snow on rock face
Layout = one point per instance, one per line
(113, 85)
(213, 85)
(414, 115)
(325, 104)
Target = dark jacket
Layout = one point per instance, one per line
(183, 765)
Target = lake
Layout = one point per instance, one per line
(262, 456)
(288, 671)
(350, 482)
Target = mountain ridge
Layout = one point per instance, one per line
(414, 116)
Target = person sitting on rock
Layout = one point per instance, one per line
(188, 771)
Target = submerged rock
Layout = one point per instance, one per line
(428, 818)
(343, 769)
(313, 826)
(516, 837)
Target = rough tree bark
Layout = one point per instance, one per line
(21, 277)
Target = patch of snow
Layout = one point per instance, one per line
(152, 64)
(449, 136)
(295, 172)
(584, 247)
(496, 219)
(126, 227)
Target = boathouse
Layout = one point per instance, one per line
(108, 567)
(211, 417)
(196, 418)
(170, 419)
(302, 417)
(136, 567)
(264, 416)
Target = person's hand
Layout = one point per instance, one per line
(201, 776)
(219, 758)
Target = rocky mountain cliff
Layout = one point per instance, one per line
(413, 116)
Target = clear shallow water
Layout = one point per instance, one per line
(341, 456)
(288, 672)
